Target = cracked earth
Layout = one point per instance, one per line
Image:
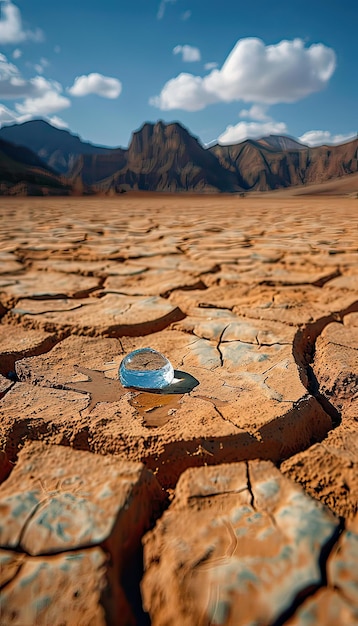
(231, 497)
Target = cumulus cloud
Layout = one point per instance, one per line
(186, 15)
(12, 85)
(162, 7)
(41, 96)
(104, 86)
(256, 112)
(7, 69)
(17, 53)
(189, 53)
(251, 130)
(254, 72)
(321, 137)
(11, 27)
(211, 65)
(48, 100)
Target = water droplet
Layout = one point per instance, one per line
(146, 368)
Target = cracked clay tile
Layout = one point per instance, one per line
(112, 313)
(52, 503)
(260, 540)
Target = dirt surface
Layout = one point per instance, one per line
(255, 303)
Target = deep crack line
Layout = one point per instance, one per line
(249, 486)
(221, 356)
(303, 350)
(221, 415)
(3, 393)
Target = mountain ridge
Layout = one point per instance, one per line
(45, 139)
(167, 157)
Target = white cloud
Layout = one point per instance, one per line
(104, 86)
(186, 15)
(12, 117)
(321, 137)
(189, 53)
(17, 53)
(251, 130)
(254, 72)
(57, 121)
(37, 91)
(6, 115)
(48, 100)
(40, 67)
(162, 7)
(7, 69)
(57, 49)
(211, 65)
(12, 85)
(256, 112)
(11, 27)
(40, 97)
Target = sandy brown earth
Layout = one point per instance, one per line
(230, 497)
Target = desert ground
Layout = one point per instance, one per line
(229, 497)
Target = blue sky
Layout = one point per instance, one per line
(226, 70)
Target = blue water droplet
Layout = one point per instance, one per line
(146, 368)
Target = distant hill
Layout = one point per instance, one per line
(22, 172)
(166, 157)
(261, 168)
(58, 148)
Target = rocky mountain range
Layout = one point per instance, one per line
(166, 157)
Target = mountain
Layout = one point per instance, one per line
(261, 168)
(160, 157)
(22, 172)
(58, 148)
(166, 157)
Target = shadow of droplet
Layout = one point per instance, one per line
(182, 383)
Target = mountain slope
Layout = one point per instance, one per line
(22, 172)
(160, 157)
(58, 148)
(261, 168)
(281, 142)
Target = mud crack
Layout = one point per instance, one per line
(303, 350)
(249, 486)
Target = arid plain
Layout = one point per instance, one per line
(232, 496)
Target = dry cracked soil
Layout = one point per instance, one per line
(231, 496)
